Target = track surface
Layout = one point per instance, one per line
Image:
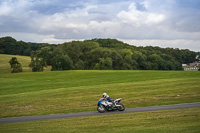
(94, 113)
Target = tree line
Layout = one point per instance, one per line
(97, 54)
(9, 45)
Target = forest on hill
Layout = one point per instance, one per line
(97, 54)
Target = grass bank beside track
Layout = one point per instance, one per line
(42, 93)
(175, 121)
(78, 91)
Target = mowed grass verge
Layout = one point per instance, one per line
(171, 121)
(77, 91)
(43, 93)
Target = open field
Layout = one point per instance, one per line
(55, 92)
(172, 121)
(5, 66)
(24, 60)
(78, 91)
(43, 93)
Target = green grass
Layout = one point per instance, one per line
(171, 121)
(24, 60)
(5, 66)
(42, 93)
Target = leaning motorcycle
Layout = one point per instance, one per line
(105, 105)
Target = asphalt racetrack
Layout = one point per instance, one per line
(95, 113)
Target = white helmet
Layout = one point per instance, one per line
(105, 95)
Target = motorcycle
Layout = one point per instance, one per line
(105, 105)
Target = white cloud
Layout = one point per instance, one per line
(139, 18)
(32, 37)
(154, 18)
(147, 20)
(104, 28)
(15, 8)
(5, 9)
(67, 21)
(193, 45)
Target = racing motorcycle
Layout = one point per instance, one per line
(105, 105)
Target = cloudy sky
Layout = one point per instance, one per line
(164, 23)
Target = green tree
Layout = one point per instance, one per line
(117, 60)
(128, 62)
(73, 50)
(46, 54)
(15, 65)
(94, 56)
(61, 61)
(79, 65)
(37, 64)
(157, 63)
(140, 60)
(104, 64)
(9, 45)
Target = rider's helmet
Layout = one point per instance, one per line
(105, 95)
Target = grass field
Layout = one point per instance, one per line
(5, 66)
(24, 60)
(172, 121)
(48, 92)
(77, 91)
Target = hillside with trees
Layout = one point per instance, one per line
(9, 45)
(97, 54)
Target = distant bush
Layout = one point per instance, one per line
(15, 65)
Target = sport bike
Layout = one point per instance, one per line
(105, 105)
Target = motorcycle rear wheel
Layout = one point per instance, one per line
(101, 109)
(121, 107)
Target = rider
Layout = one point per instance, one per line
(107, 97)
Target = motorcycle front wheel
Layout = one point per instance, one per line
(121, 107)
(101, 109)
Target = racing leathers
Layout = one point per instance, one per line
(110, 100)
